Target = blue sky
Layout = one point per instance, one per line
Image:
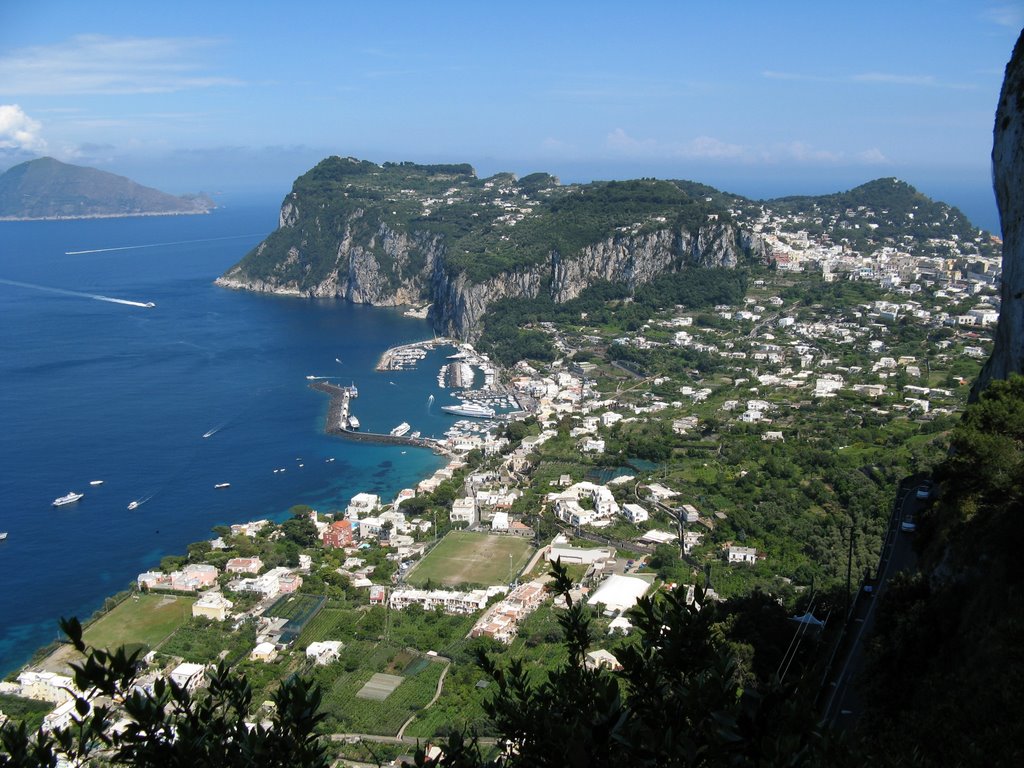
(759, 97)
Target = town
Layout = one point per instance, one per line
(687, 452)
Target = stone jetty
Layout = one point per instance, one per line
(337, 422)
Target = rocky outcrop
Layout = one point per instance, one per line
(393, 268)
(1008, 174)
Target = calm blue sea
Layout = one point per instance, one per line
(96, 390)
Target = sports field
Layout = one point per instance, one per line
(472, 558)
(144, 618)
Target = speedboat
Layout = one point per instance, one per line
(95, 482)
(222, 485)
(133, 505)
(71, 498)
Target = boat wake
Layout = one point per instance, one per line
(214, 430)
(156, 245)
(139, 502)
(80, 294)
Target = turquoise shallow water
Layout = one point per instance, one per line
(94, 389)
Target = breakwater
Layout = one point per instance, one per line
(338, 415)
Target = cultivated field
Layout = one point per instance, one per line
(472, 558)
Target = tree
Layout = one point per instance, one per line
(676, 702)
(300, 530)
(169, 726)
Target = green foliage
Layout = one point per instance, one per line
(169, 726)
(300, 530)
(28, 711)
(951, 634)
(677, 700)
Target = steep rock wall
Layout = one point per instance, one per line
(391, 267)
(1008, 174)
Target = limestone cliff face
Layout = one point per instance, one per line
(1008, 173)
(382, 266)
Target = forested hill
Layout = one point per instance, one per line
(49, 189)
(403, 233)
(874, 212)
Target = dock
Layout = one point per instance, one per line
(407, 355)
(337, 422)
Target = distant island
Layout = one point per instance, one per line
(49, 189)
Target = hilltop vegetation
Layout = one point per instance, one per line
(49, 189)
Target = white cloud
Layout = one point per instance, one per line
(702, 147)
(621, 141)
(96, 64)
(1009, 15)
(883, 78)
(873, 156)
(711, 148)
(894, 79)
(18, 131)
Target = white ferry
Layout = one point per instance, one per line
(71, 498)
(401, 429)
(475, 410)
(353, 422)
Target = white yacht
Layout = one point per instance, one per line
(71, 498)
(475, 410)
(401, 429)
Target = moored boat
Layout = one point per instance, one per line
(475, 410)
(401, 429)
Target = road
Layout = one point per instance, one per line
(843, 703)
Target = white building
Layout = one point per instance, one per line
(742, 555)
(447, 600)
(188, 676)
(619, 593)
(464, 510)
(634, 513)
(324, 652)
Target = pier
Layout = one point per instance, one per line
(337, 422)
(407, 355)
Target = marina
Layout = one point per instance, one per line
(338, 420)
(406, 356)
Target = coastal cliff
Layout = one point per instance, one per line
(1007, 172)
(346, 232)
(406, 234)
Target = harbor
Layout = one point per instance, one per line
(406, 356)
(339, 419)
